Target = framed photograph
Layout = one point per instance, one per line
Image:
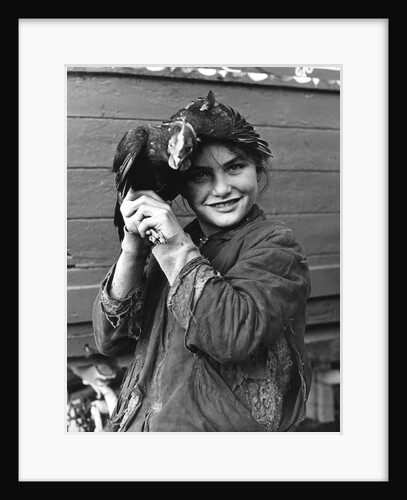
(311, 100)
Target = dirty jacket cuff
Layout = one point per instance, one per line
(115, 310)
(174, 255)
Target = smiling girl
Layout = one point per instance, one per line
(216, 319)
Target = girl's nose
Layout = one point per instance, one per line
(221, 186)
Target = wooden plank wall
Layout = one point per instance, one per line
(302, 126)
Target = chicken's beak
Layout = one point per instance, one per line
(178, 163)
(184, 164)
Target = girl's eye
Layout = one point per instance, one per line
(198, 176)
(235, 168)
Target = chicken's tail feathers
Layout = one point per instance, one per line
(122, 176)
(130, 146)
(118, 219)
(122, 186)
(244, 132)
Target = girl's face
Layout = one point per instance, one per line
(221, 188)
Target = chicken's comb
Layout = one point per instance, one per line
(205, 103)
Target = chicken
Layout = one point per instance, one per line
(152, 158)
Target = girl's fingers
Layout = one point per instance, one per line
(134, 195)
(148, 224)
(155, 236)
(147, 211)
(159, 226)
(129, 206)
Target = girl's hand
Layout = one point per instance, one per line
(146, 214)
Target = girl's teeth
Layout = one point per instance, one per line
(220, 205)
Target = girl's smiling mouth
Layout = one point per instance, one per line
(224, 204)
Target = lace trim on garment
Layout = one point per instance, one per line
(265, 396)
(131, 308)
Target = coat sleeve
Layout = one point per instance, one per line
(117, 323)
(230, 317)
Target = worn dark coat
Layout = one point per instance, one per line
(222, 349)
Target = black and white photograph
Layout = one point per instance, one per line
(203, 249)
(194, 250)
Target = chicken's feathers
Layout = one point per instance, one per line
(212, 119)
